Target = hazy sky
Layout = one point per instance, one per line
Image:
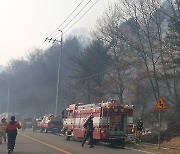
(24, 24)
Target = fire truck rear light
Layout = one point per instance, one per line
(132, 130)
(102, 131)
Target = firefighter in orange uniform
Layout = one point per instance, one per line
(89, 131)
(11, 130)
(3, 130)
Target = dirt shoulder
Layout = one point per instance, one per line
(175, 142)
(164, 147)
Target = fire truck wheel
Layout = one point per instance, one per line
(95, 142)
(66, 135)
(118, 142)
(55, 131)
(45, 130)
(41, 129)
(122, 142)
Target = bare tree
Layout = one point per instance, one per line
(108, 31)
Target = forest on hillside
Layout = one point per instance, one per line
(133, 56)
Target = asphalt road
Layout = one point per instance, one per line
(46, 143)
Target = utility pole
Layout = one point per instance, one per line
(8, 98)
(59, 70)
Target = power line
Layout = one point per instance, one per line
(50, 39)
(66, 18)
(70, 20)
(71, 15)
(44, 45)
(61, 25)
(75, 16)
(82, 16)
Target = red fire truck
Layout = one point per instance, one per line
(112, 121)
(51, 123)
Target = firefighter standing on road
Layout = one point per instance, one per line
(89, 131)
(23, 124)
(11, 130)
(34, 125)
(139, 129)
(3, 130)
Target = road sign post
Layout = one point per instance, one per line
(160, 105)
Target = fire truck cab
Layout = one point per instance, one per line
(110, 121)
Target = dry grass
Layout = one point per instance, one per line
(175, 142)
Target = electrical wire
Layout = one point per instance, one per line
(75, 16)
(62, 23)
(71, 19)
(44, 45)
(66, 18)
(81, 16)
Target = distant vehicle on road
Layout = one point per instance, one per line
(38, 123)
(51, 123)
(27, 122)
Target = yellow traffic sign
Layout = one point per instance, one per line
(161, 105)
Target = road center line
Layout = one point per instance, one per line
(49, 145)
